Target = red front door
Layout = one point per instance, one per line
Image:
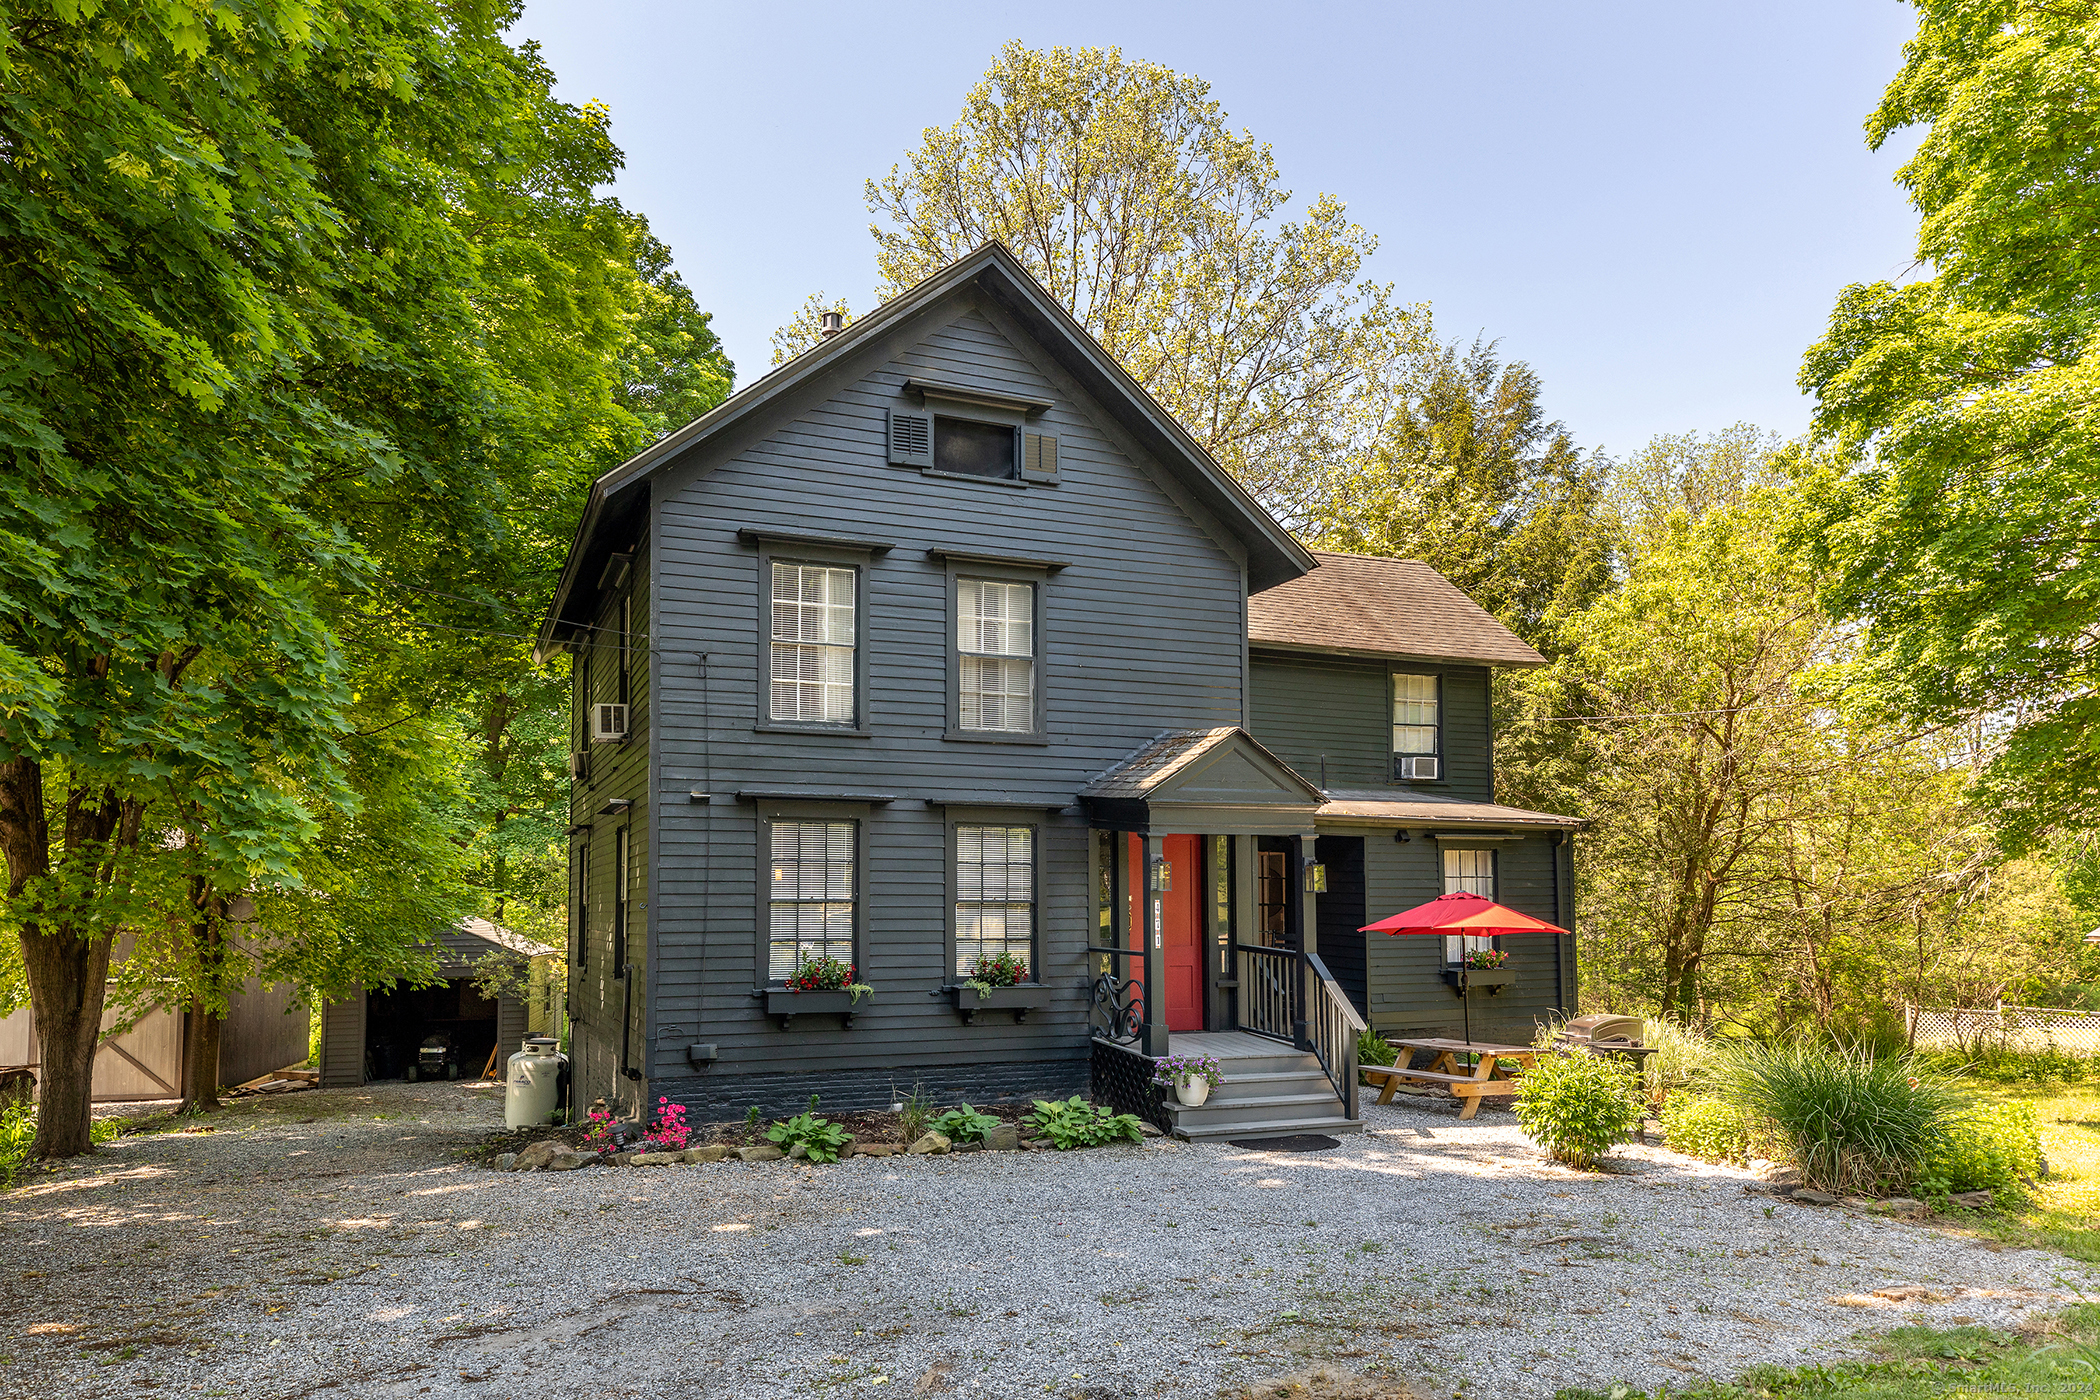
(1181, 913)
(1182, 916)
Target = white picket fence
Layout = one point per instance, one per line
(2015, 1027)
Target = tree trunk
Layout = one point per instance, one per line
(200, 1058)
(200, 1042)
(66, 962)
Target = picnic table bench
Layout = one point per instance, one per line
(1486, 1076)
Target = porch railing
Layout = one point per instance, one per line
(1116, 1005)
(1268, 999)
(1332, 1025)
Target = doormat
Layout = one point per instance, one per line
(1296, 1142)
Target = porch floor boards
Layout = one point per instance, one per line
(1225, 1045)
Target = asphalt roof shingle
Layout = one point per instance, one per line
(1382, 607)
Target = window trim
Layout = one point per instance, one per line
(1393, 755)
(954, 575)
(958, 817)
(826, 557)
(768, 813)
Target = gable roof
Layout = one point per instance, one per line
(1273, 554)
(1362, 605)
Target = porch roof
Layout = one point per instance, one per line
(1387, 807)
(1220, 781)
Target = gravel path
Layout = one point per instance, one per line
(331, 1240)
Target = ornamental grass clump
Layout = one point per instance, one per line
(1578, 1107)
(1682, 1056)
(1852, 1122)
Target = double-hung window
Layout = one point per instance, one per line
(994, 895)
(814, 893)
(813, 639)
(995, 644)
(1468, 872)
(1417, 727)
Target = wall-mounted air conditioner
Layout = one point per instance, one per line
(1420, 768)
(608, 723)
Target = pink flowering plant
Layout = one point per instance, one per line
(1486, 959)
(669, 1133)
(599, 1131)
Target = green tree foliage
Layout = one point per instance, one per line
(1959, 514)
(316, 334)
(1121, 187)
(1471, 477)
(1765, 853)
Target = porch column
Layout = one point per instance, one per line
(1308, 907)
(1155, 1036)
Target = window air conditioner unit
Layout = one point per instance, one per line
(1421, 768)
(608, 723)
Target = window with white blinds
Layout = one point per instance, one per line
(994, 895)
(1415, 714)
(995, 634)
(813, 639)
(1468, 872)
(813, 894)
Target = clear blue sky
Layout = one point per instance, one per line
(1653, 204)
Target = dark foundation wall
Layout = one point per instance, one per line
(711, 1098)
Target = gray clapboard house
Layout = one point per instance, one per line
(944, 640)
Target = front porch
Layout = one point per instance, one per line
(1206, 941)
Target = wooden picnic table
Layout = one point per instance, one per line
(1491, 1073)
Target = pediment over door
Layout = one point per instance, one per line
(1215, 781)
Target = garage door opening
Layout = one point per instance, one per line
(440, 1032)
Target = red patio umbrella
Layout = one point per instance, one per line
(1462, 913)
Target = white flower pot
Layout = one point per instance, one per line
(1192, 1090)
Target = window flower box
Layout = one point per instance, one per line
(1020, 999)
(785, 1005)
(1493, 979)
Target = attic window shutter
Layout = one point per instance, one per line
(1039, 457)
(911, 439)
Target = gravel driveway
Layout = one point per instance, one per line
(331, 1240)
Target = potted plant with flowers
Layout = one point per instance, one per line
(997, 982)
(820, 985)
(1191, 1077)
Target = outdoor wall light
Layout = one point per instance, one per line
(1162, 874)
(1315, 878)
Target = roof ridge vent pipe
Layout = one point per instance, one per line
(830, 324)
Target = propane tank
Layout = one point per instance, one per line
(531, 1083)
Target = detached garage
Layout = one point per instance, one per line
(447, 1030)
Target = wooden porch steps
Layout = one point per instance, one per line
(1269, 1090)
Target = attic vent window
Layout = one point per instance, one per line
(965, 448)
(911, 438)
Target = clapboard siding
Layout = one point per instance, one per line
(1407, 991)
(1310, 708)
(598, 998)
(1142, 632)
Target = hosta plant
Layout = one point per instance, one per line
(964, 1124)
(1077, 1123)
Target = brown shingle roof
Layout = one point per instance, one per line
(1381, 607)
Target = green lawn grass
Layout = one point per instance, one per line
(2062, 1213)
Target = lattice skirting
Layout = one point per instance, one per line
(1123, 1081)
